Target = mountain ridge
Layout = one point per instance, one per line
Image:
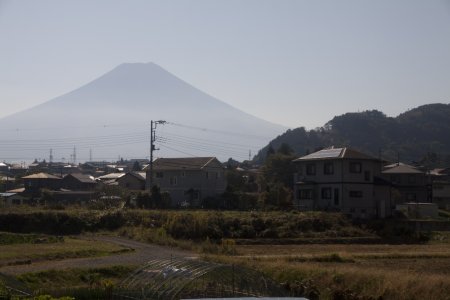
(413, 135)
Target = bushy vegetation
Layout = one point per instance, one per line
(185, 225)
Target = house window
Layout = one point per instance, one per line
(207, 175)
(326, 193)
(305, 194)
(355, 194)
(310, 169)
(336, 197)
(173, 180)
(355, 167)
(217, 175)
(394, 179)
(411, 197)
(159, 174)
(300, 170)
(367, 175)
(183, 174)
(328, 169)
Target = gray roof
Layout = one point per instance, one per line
(184, 163)
(402, 169)
(139, 175)
(336, 153)
(397, 164)
(82, 177)
(110, 176)
(7, 194)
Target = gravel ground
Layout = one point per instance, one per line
(142, 253)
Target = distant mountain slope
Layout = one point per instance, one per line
(411, 135)
(120, 105)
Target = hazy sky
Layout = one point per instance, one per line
(296, 63)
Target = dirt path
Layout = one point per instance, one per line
(142, 253)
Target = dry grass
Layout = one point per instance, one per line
(354, 271)
(69, 248)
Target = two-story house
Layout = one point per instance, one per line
(341, 179)
(410, 182)
(188, 180)
(78, 182)
(35, 182)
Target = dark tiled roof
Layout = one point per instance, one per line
(336, 153)
(185, 163)
(82, 177)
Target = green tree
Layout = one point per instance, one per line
(270, 151)
(277, 181)
(285, 149)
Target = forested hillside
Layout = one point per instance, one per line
(421, 134)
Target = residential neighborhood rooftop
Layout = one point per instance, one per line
(335, 153)
(184, 163)
(83, 177)
(41, 176)
(402, 169)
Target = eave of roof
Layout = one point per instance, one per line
(184, 163)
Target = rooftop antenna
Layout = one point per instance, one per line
(250, 154)
(90, 154)
(74, 155)
(51, 156)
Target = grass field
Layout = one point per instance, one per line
(317, 271)
(66, 248)
(353, 271)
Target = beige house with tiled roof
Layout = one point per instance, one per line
(341, 179)
(188, 180)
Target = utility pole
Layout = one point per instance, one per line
(153, 125)
(74, 155)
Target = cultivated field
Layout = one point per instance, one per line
(331, 259)
(353, 271)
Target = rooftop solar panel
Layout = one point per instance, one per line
(326, 153)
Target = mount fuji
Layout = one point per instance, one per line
(110, 118)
